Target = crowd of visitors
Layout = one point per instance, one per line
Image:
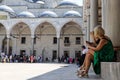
(19, 58)
(23, 58)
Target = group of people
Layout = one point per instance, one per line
(19, 58)
(100, 50)
(24, 58)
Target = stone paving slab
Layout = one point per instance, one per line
(41, 71)
(65, 73)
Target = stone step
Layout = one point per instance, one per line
(110, 70)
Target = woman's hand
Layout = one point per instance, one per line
(88, 43)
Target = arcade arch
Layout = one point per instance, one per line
(21, 37)
(44, 35)
(70, 35)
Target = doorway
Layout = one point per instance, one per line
(66, 54)
(77, 54)
(54, 55)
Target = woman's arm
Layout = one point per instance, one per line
(92, 36)
(91, 43)
(99, 46)
(95, 40)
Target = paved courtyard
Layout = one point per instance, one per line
(41, 71)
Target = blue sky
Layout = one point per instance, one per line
(80, 2)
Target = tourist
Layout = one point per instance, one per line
(84, 51)
(102, 52)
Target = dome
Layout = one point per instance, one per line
(48, 14)
(72, 13)
(67, 3)
(26, 14)
(6, 8)
(36, 1)
(40, 2)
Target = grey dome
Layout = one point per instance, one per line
(40, 2)
(26, 14)
(67, 3)
(48, 14)
(6, 8)
(72, 13)
(36, 1)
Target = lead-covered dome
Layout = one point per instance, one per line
(67, 3)
(36, 1)
(6, 8)
(40, 2)
(26, 14)
(48, 14)
(72, 13)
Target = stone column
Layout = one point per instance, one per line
(111, 20)
(111, 23)
(32, 49)
(58, 42)
(16, 46)
(8, 44)
(93, 14)
(58, 39)
(88, 24)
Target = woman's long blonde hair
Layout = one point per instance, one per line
(99, 31)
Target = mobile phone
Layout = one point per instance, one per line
(87, 42)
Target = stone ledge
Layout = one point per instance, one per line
(116, 48)
(110, 70)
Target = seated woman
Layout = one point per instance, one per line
(102, 52)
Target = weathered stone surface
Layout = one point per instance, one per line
(110, 70)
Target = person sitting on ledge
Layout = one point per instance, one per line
(102, 52)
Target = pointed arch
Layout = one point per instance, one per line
(72, 24)
(45, 27)
(20, 28)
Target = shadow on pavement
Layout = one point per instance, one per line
(65, 73)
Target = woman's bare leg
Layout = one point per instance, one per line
(89, 52)
(89, 57)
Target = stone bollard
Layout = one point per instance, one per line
(110, 70)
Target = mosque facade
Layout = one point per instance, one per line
(49, 28)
